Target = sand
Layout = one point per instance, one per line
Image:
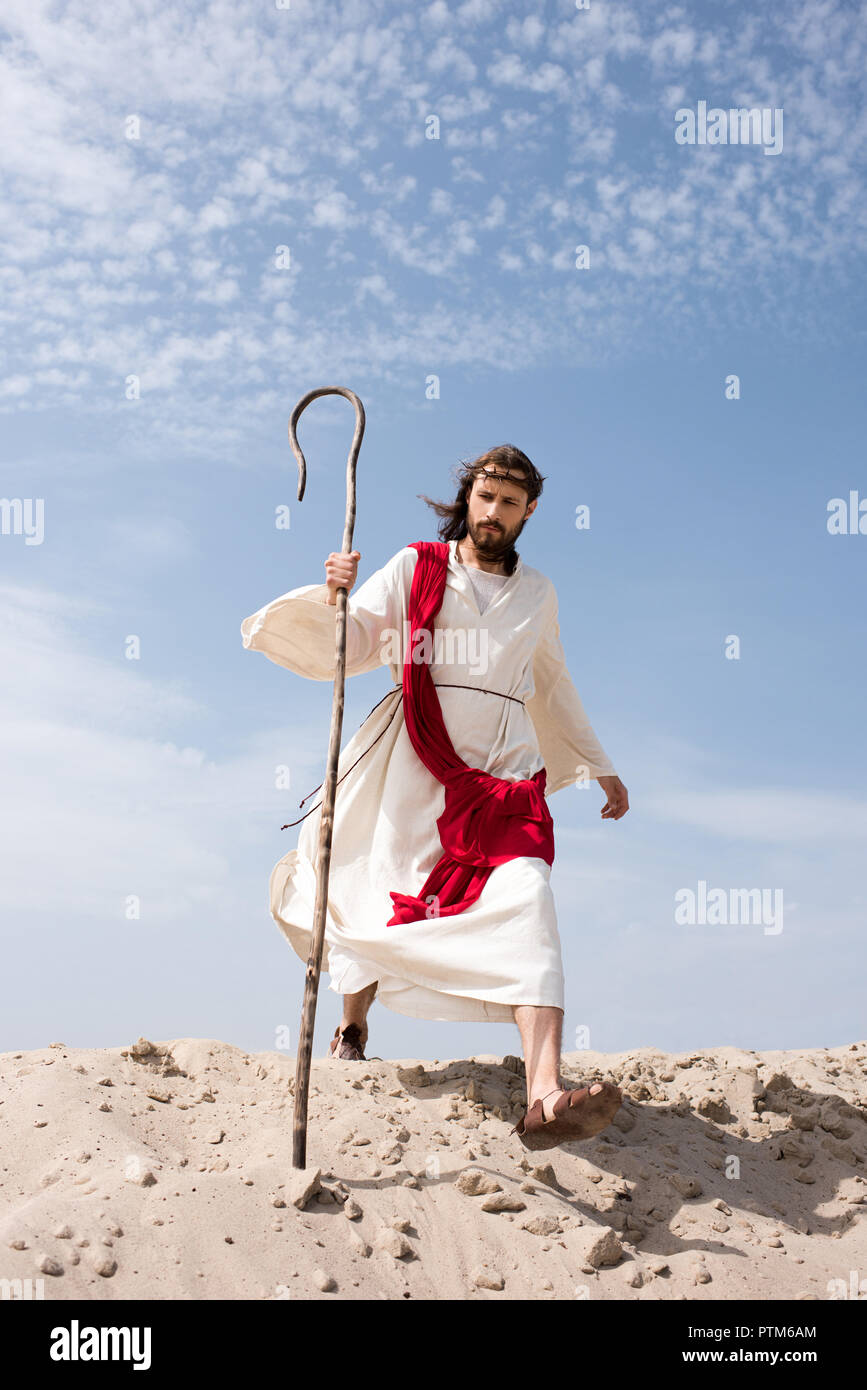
(163, 1171)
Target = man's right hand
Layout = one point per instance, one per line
(340, 572)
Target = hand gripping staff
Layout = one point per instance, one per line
(326, 822)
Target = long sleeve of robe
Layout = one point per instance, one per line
(505, 949)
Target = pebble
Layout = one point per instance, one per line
(686, 1184)
(47, 1265)
(358, 1243)
(351, 1210)
(545, 1174)
(542, 1226)
(142, 1178)
(103, 1264)
(324, 1281)
(597, 1248)
(503, 1201)
(484, 1278)
(302, 1185)
(473, 1182)
(394, 1243)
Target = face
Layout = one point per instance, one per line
(496, 512)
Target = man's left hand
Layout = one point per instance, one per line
(618, 798)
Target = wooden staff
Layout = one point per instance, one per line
(326, 822)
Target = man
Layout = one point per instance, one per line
(486, 946)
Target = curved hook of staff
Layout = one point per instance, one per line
(353, 452)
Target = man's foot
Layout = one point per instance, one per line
(348, 1043)
(561, 1116)
(550, 1100)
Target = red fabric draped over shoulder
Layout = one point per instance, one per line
(487, 820)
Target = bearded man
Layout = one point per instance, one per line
(439, 900)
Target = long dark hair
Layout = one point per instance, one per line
(504, 458)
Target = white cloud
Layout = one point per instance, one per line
(139, 255)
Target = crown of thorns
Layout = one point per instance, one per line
(490, 471)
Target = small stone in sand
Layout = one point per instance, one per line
(302, 1185)
(545, 1173)
(393, 1243)
(503, 1201)
(487, 1278)
(473, 1182)
(686, 1184)
(598, 1248)
(142, 1177)
(541, 1226)
(358, 1243)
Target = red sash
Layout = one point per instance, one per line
(487, 820)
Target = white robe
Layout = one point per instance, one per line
(505, 949)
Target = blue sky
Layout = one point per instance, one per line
(147, 248)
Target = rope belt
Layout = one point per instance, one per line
(396, 689)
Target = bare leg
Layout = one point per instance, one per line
(355, 1007)
(541, 1029)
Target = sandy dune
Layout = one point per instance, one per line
(164, 1171)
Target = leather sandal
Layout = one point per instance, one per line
(347, 1046)
(577, 1115)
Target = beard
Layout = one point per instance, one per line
(492, 545)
